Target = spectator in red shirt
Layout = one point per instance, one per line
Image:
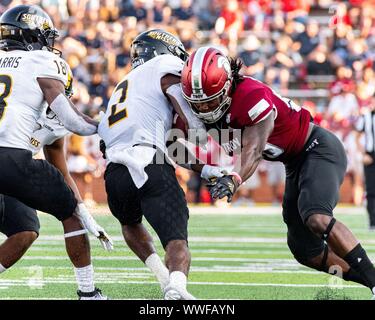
(230, 24)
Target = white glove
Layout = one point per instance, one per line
(91, 225)
(208, 172)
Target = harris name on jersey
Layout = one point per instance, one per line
(10, 62)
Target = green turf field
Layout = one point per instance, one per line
(241, 254)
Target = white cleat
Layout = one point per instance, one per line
(174, 293)
(94, 295)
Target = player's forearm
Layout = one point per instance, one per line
(71, 183)
(182, 108)
(249, 162)
(197, 167)
(254, 140)
(184, 157)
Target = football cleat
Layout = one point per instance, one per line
(174, 293)
(94, 295)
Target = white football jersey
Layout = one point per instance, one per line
(47, 131)
(21, 99)
(138, 112)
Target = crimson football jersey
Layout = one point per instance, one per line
(252, 102)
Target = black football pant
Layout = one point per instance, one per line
(370, 190)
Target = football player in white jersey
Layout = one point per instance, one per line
(139, 179)
(32, 75)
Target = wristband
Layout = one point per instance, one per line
(237, 176)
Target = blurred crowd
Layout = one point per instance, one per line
(318, 52)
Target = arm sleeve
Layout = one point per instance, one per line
(72, 120)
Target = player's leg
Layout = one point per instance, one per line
(320, 178)
(21, 225)
(311, 251)
(76, 240)
(124, 203)
(78, 249)
(39, 185)
(307, 248)
(140, 241)
(165, 208)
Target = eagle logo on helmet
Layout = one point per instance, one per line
(222, 62)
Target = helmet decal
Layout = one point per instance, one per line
(222, 62)
(34, 21)
(196, 73)
(152, 43)
(165, 37)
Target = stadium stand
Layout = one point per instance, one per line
(311, 51)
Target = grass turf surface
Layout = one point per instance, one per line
(234, 256)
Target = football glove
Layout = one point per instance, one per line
(209, 172)
(224, 186)
(91, 225)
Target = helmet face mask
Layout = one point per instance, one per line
(211, 111)
(27, 27)
(206, 83)
(152, 43)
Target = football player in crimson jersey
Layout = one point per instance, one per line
(276, 129)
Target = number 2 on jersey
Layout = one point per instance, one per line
(7, 82)
(117, 116)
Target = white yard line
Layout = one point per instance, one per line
(205, 283)
(43, 239)
(221, 251)
(260, 209)
(133, 258)
(213, 269)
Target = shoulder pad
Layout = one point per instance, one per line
(48, 65)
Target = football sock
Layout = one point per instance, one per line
(177, 279)
(85, 278)
(354, 276)
(2, 268)
(157, 267)
(360, 262)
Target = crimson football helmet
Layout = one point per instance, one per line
(206, 83)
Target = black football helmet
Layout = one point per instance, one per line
(155, 42)
(27, 27)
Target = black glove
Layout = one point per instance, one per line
(102, 147)
(222, 187)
